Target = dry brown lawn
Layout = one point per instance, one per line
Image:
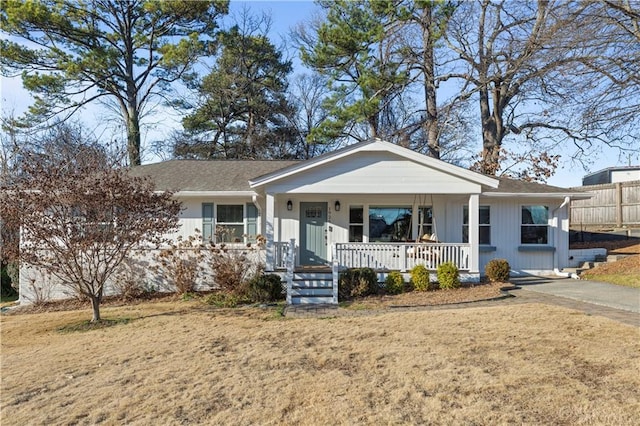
(186, 363)
(623, 272)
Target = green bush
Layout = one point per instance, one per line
(357, 282)
(394, 283)
(497, 270)
(265, 288)
(420, 278)
(448, 275)
(222, 300)
(6, 288)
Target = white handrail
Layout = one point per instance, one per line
(401, 256)
(291, 261)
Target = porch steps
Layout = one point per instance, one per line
(312, 288)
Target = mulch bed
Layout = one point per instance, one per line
(466, 293)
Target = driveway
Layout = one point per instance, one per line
(597, 293)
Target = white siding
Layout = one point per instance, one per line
(36, 286)
(373, 173)
(505, 236)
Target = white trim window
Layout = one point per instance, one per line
(232, 223)
(229, 223)
(534, 225)
(356, 224)
(484, 225)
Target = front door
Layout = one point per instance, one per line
(313, 233)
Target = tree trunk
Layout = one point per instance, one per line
(95, 305)
(133, 136)
(431, 120)
(493, 130)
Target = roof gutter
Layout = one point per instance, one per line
(217, 194)
(572, 195)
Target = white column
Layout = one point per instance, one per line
(474, 234)
(270, 218)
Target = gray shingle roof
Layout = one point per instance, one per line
(234, 175)
(203, 175)
(513, 186)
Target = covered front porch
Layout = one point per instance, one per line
(319, 283)
(383, 256)
(314, 237)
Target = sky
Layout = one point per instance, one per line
(285, 15)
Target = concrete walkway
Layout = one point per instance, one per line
(597, 293)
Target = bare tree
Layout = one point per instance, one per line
(533, 69)
(80, 218)
(307, 95)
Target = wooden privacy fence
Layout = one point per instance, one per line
(613, 204)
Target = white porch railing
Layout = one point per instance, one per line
(281, 249)
(290, 265)
(401, 256)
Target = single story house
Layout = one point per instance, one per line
(371, 204)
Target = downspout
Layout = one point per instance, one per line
(556, 269)
(254, 200)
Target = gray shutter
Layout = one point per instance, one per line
(252, 222)
(207, 222)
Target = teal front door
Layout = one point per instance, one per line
(313, 233)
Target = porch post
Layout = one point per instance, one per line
(474, 235)
(270, 214)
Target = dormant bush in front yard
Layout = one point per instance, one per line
(130, 280)
(357, 282)
(497, 270)
(266, 288)
(182, 262)
(81, 218)
(234, 265)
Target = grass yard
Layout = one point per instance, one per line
(186, 363)
(624, 272)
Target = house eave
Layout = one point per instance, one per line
(216, 194)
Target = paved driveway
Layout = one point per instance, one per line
(613, 296)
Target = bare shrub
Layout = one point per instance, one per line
(129, 281)
(182, 262)
(39, 288)
(232, 268)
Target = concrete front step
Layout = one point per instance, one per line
(312, 288)
(312, 276)
(312, 283)
(312, 291)
(616, 257)
(311, 300)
